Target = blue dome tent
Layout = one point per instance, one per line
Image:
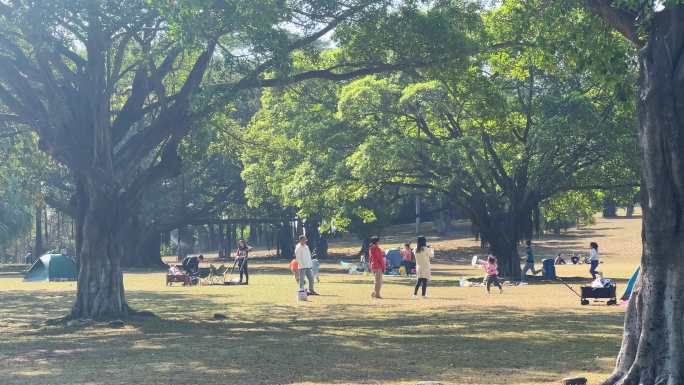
(52, 267)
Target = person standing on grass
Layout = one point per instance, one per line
(377, 265)
(304, 265)
(242, 254)
(594, 259)
(492, 270)
(423, 269)
(407, 258)
(529, 262)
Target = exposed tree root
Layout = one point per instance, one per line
(58, 321)
(129, 314)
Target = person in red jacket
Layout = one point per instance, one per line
(377, 265)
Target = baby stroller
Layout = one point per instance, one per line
(216, 274)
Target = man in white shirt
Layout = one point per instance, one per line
(303, 257)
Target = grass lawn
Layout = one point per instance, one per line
(534, 334)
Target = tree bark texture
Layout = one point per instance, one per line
(609, 208)
(652, 351)
(38, 246)
(502, 230)
(286, 241)
(141, 245)
(100, 291)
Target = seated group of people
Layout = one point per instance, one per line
(561, 261)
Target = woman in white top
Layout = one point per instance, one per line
(423, 255)
(594, 259)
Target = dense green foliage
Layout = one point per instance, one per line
(486, 112)
(504, 136)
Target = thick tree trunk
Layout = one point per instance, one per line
(505, 249)
(443, 222)
(609, 208)
(252, 239)
(100, 291)
(322, 250)
(230, 238)
(313, 235)
(653, 342)
(141, 245)
(213, 244)
(142, 249)
(501, 233)
(46, 234)
(186, 241)
(286, 241)
(38, 247)
(630, 210)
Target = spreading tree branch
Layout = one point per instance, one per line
(622, 20)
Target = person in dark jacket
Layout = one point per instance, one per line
(191, 264)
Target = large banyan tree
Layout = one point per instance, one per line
(112, 87)
(653, 344)
(495, 137)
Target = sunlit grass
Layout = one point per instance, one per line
(533, 334)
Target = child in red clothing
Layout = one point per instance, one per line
(408, 258)
(377, 265)
(294, 268)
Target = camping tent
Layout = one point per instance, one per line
(52, 267)
(630, 285)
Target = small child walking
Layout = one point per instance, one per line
(529, 262)
(423, 255)
(407, 258)
(492, 270)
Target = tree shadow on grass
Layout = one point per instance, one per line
(270, 343)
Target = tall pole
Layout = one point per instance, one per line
(417, 213)
(420, 149)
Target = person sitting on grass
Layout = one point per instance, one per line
(492, 270)
(529, 262)
(423, 268)
(560, 260)
(191, 264)
(407, 258)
